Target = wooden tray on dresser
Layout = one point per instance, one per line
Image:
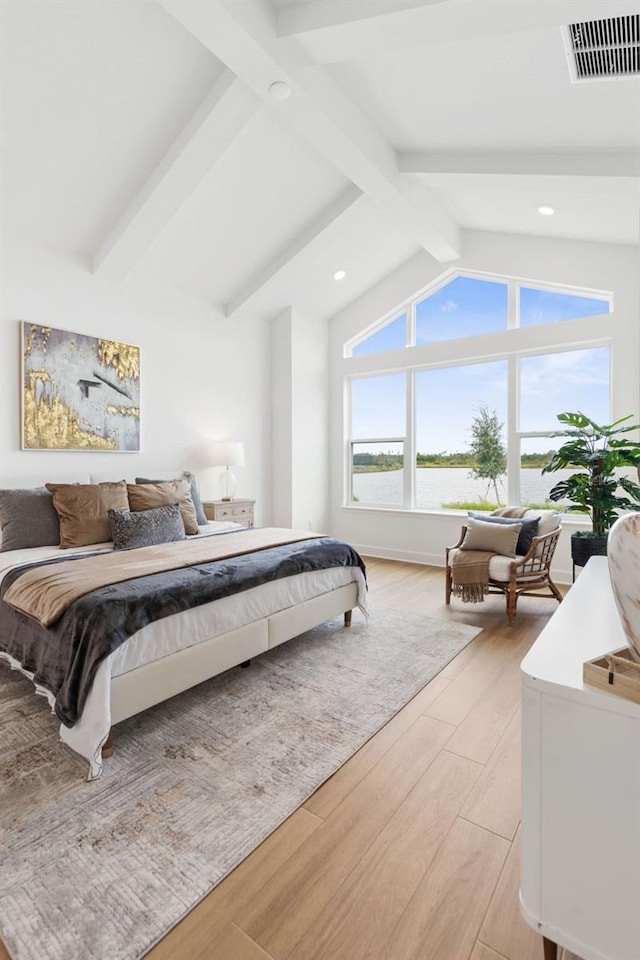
(615, 673)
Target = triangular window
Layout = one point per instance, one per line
(464, 307)
(392, 336)
(548, 306)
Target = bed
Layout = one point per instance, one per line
(175, 651)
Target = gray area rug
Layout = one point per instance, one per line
(102, 870)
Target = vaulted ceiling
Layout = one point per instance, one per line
(142, 136)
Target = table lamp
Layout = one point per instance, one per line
(227, 453)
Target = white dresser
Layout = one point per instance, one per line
(241, 511)
(580, 883)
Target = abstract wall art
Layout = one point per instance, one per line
(79, 392)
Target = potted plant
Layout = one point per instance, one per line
(598, 451)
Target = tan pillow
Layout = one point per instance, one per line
(82, 509)
(496, 537)
(148, 496)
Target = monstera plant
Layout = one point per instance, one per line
(597, 488)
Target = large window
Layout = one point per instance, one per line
(378, 428)
(549, 384)
(474, 423)
(447, 401)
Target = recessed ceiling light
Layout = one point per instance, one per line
(280, 90)
(546, 210)
(339, 274)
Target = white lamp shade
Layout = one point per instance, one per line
(227, 453)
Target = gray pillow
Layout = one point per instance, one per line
(143, 528)
(526, 535)
(28, 518)
(195, 493)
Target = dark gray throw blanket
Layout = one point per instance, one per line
(64, 659)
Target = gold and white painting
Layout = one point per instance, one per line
(79, 392)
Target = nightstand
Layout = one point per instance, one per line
(241, 511)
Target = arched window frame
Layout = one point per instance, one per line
(536, 340)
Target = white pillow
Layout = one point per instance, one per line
(549, 520)
(496, 537)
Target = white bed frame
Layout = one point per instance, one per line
(145, 686)
(154, 682)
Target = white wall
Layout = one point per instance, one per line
(202, 377)
(282, 419)
(311, 423)
(421, 536)
(299, 430)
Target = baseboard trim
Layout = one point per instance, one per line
(431, 559)
(409, 556)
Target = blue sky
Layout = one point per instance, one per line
(448, 399)
(464, 307)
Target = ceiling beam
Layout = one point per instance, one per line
(243, 35)
(302, 242)
(328, 34)
(208, 134)
(622, 163)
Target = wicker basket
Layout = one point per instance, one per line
(582, 548)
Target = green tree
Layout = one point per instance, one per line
(488, 449)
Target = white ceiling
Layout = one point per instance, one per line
(586, 207)
(141, 135)
(92, 94)
(257, 199)
(508, 92)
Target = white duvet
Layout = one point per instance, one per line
(164, 637)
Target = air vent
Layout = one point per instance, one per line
(603, 49)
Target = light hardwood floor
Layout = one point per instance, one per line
(411, 850)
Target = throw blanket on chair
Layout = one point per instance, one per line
(470, 572)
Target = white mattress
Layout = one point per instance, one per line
(182, 630)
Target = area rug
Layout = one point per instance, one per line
(102, 870)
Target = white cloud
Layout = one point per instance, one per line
(448, 306)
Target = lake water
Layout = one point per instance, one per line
(449, 484)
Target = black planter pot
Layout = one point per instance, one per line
(584, 547)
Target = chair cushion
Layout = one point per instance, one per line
(499, 567)
(498, 538)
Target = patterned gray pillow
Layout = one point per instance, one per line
(143, 528)
(28, 518)
(195, 493)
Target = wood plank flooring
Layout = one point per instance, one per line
(411, 850)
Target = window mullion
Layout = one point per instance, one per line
(513, 437)
(513, 305)
(347, 476)
(411, 325)
(410, 445)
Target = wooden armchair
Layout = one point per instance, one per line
(522, 576)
